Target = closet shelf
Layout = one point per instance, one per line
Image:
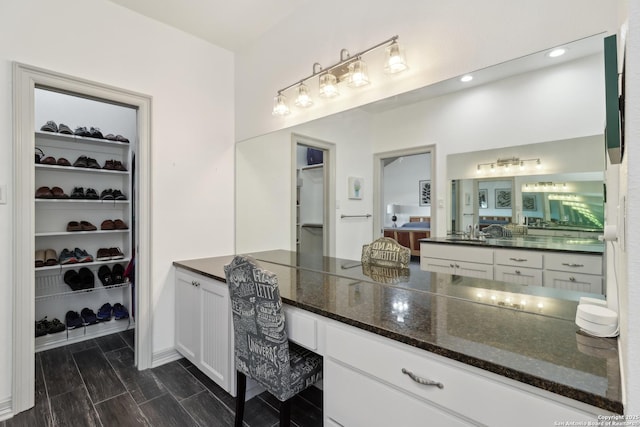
(77, 233)
(61, 289)
(74, 138)
(81, 170)
(72, 336)
(50, 268)
(311, 167)
(112, 202)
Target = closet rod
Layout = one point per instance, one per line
(356, 216)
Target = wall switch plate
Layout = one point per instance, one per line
(3, 194)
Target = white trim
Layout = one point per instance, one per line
(26, 78)
(378, 207)
(5, 409)
(163, 357)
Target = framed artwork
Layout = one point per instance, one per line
(483, 198)
(355, 188)
(529, 202)
(503, 198)
(424, 192)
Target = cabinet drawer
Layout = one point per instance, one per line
(301, 329)
(518, 275)
(591, 283)
(518, 258)
(457, 252)
(486, 398)
(587, 264)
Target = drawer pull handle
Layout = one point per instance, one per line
(572, 279)
(457, 266)
(422, 380)
(194, 283)
(517, 271)
(518, 259)
(570, 264)
(451, 265)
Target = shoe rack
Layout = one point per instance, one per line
(54, 217)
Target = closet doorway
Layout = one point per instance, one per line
(49, 109)
(314, 195)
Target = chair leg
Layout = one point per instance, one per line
(285, 413)
(241, 387)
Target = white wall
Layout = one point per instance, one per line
(401, 187)
(192, 130)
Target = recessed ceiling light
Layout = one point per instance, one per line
(557, 52)
(466, 78)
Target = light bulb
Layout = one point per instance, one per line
(303, 99)
(280, 107)
(328, 86)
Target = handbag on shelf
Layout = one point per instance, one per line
(39, 154)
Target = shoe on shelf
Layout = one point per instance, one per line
(103, 254)
(73, 320)
(108, 165)
(116, 253)
(87, 226)
(72, 278)
(117, 165)
(73, 226)
(121, 138)
(48, 161)
(40, 254)
(108, 224)
(58, 193)
(82, 131)
(50, 257)
(82, 255)
(107, 194)
(63, 162)
(88, 316)
(120, 225)
(105, 275)
(120, 311)
(104, 314)
(62, 128)
(77, 193)
(44, 193)
(118, 274)
(50, 126)
(42, 327)
(92, 163)
(56, 326)
(87, 279)
(91, 194)
(67, 257)
(117, 195)
(95, 133)
(81, 162)
(110, 137)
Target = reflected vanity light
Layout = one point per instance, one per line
(466, 78)
(507, 163)
(557, 52)
(352, 69)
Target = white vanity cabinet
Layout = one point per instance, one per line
(518, 267)
(204, 329)
(577, 272)
(457, 259)
(364, 384)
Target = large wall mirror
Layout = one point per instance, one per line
(525, 108)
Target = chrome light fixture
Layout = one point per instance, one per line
(352, 69)
(507, 163)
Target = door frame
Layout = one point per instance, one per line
(329, 208)
(25, 80)
(378, 181)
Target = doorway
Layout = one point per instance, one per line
(404, 191)
(313, 201)
(27, 79)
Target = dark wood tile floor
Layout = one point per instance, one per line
(94, 383)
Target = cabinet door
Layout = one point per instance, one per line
(573, 281)
(216, 351)
(473, 269)
(354, 399)
(437, 265)
(188, 316)
(518, 275)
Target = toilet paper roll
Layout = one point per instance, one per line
(610, 233)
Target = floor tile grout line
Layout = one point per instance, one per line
(84, 384)
(187, 411)
(46, 392)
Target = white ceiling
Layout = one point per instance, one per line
(231, 24)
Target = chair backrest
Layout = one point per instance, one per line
(386, 252)
(261, 342)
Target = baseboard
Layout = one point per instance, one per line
(6, 411)
(163, 357)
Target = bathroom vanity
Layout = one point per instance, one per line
(495, 354)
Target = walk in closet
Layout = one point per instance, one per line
(84, 217)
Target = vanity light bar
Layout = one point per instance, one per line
(507, 163)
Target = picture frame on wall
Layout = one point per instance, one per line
(355, 187)
(503, 198)
(483, 198)
(529, 202)
(424, 192)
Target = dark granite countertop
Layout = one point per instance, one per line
(536, 243)
(492, 325)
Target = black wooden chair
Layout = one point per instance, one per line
(262, 349)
